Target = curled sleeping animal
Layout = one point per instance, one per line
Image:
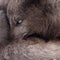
(34, 17)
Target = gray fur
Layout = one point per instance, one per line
(39, 16)
(36, 16)
(4, 28)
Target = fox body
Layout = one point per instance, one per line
(35, 16)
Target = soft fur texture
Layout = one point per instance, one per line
(4, 28)
(34, 16)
